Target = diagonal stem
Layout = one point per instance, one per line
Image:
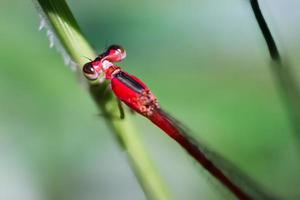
(64, 31)
(285, 79)
(273, 50)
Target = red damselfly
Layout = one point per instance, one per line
(135, 94)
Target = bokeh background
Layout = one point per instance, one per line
(206, 61)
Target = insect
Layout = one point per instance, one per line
(128, 88)
(135, 94)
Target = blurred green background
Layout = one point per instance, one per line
(205, 60)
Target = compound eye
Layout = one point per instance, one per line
(115, 53)
(89, 71)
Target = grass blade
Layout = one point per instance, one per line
(65, 34)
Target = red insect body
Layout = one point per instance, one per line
(97, 65)
(133, 92)
(166, 123)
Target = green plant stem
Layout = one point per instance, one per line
(283, 74)
(61, 22)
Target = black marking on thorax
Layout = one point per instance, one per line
(128, 81)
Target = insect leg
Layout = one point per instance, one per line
(121, 109)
